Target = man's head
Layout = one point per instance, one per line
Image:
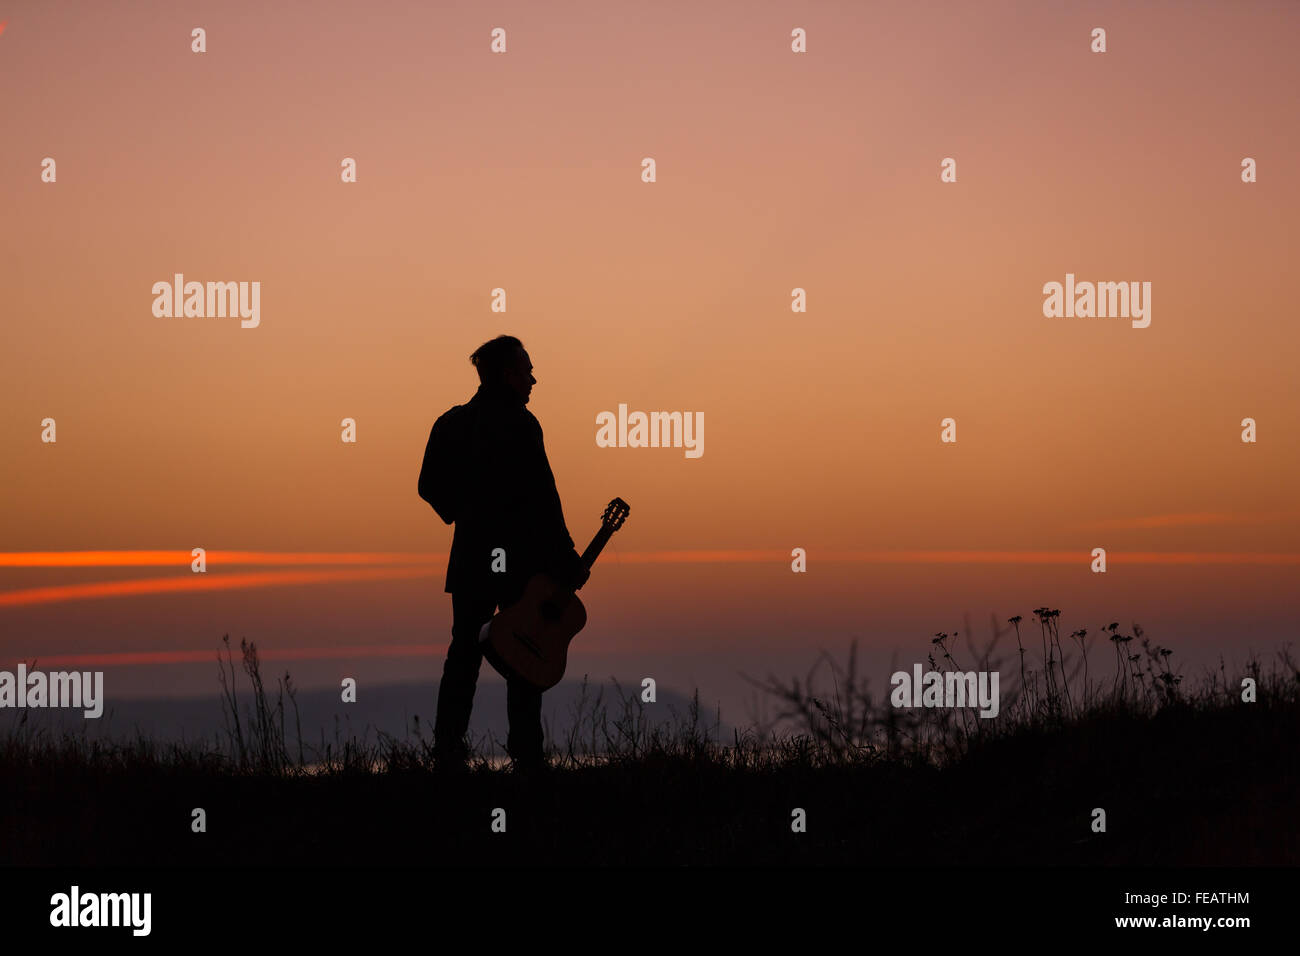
(503, 361)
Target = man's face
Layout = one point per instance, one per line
(519, 376)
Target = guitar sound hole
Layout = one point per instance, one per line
(550, 611)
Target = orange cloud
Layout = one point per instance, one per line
(122, 658)
(200, 582)
(413, 565)
(124, 559)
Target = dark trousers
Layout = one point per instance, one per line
(469, 612)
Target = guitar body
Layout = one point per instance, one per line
(530, 639)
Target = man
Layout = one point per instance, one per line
(510, 503)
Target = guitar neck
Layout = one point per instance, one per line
(597, 545)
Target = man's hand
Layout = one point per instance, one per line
(573, 571)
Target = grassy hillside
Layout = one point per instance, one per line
(1186, 776)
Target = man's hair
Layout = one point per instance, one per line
(494, 357)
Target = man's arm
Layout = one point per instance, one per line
(552, 534)
(426, 469)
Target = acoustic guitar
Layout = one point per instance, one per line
(530, 638)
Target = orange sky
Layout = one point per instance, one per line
(775, 171)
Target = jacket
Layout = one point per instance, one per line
(512, 503)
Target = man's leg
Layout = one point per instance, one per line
(524, 707)
(469, 611)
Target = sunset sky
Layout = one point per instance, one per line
(775, 171)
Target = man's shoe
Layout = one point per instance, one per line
(532, 768)
(450, 760)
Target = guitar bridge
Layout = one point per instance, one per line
(536, 651)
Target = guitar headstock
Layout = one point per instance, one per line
(615, 514)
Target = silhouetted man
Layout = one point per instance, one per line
(510, 502)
